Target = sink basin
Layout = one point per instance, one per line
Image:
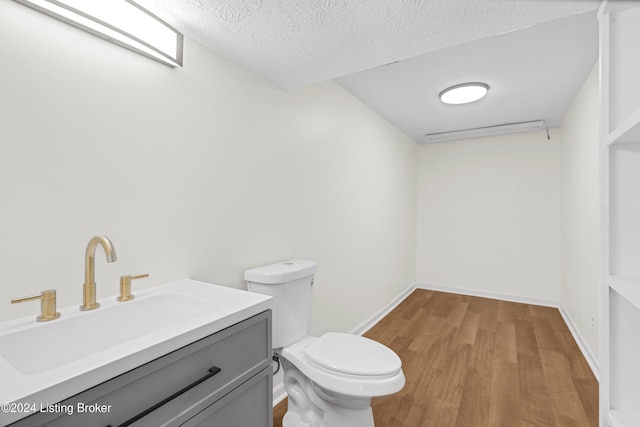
(47, 362)
(66, 340)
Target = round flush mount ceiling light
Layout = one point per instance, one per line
(464, 93)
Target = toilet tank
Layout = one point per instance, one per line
(290, 284)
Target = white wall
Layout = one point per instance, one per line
(202, 172)
(580, 211)
(489, 215)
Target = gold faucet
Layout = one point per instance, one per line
(47, 304)
(125, 287)
(89, 287)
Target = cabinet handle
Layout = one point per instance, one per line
(212, 371)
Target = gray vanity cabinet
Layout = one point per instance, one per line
(222, 380)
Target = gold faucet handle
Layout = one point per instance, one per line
(47, 304)
(125, 286)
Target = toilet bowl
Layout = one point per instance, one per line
(340, 374)
(331, 380)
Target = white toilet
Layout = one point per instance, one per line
(331, 380)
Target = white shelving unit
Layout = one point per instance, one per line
(620, 168)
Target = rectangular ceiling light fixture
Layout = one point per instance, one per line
(432, 138)
(121, 22)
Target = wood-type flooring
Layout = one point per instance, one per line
(472, 362)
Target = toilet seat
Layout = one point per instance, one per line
(353, 355)
(386, 379)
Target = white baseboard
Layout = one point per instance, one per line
(585, 348)
(278, 393)
(378, 315)
(490, 294)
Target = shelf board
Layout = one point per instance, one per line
(623, 419)
(627, 288)
(627, 132)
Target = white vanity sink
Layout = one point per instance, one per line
(56, 343)
(49, 361)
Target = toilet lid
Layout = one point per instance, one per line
(352, 354)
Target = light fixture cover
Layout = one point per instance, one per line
(122, 22)
(464, 93)
(484, 131)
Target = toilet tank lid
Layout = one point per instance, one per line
(281, 272)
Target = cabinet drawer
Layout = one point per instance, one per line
(240, 352)
(243, 407)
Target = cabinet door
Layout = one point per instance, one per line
(245, 406)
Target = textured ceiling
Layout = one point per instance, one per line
(293, 43)
(533, 74)
(397, 55)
